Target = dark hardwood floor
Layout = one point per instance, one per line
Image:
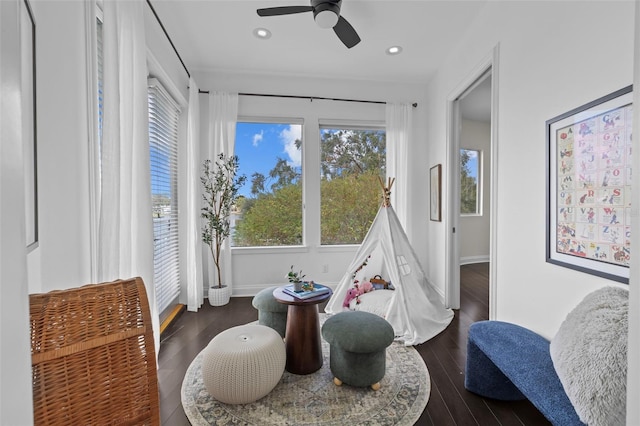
(444, 355)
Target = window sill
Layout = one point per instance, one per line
(240, 251)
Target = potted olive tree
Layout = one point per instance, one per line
(221, 185)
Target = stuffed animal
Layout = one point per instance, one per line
(352, 293)
(365, 287)
(357, 290)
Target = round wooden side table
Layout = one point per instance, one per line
(302, 335)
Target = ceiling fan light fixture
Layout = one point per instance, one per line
(326, 14)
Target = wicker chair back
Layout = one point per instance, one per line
(93, 356)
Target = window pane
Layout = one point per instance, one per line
(163, 149)
(351, 162)
(469, 167)
(269, 208)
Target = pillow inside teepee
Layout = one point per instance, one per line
(375, 302)
(589, 353)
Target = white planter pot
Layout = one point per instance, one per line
(219, 296)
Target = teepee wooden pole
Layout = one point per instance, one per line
(386, 191)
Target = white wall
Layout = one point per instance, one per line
(15, 366)
(255, 269)
(547, 66)
(62, 258)
(553, 57)
(474, 229)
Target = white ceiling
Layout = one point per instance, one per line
(218, 35)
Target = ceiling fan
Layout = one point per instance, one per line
(326, 13)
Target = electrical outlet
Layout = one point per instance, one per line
(325, 268)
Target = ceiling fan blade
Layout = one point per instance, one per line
(283, 10)
(346, 33)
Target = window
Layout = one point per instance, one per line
(269, 207)
(164, 114)
(352, 160)
(469, 182)
(269, 211)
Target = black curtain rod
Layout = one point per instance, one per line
(168, 38)
(311, 98)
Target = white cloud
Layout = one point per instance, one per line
(257, 138)
(472, 153)
(288, 137)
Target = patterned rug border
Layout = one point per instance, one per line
(301, 400)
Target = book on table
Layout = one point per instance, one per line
(318, 289)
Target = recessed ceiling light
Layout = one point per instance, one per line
(262, 33)
(394, 50)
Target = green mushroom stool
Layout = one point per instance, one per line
(358, 342)
(271, 312)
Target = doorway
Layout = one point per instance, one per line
(471, 126)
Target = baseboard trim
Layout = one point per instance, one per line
(474, 259)
(172, 316)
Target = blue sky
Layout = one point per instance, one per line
(259, 144)
(473, 163)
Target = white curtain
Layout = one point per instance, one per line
(195, 291)
(223, 110)
(398, 120)
(125, 230)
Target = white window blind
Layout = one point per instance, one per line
(164, 114)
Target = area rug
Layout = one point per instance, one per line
(313, 399)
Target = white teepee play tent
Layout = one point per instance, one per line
(414, 308)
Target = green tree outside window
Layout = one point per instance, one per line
(270, 213)
(469, 160)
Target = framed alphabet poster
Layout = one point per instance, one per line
(589, 151)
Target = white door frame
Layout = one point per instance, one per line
(452, 269)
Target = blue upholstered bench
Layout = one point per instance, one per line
(509, 362)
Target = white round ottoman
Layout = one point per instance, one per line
(242, 364)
